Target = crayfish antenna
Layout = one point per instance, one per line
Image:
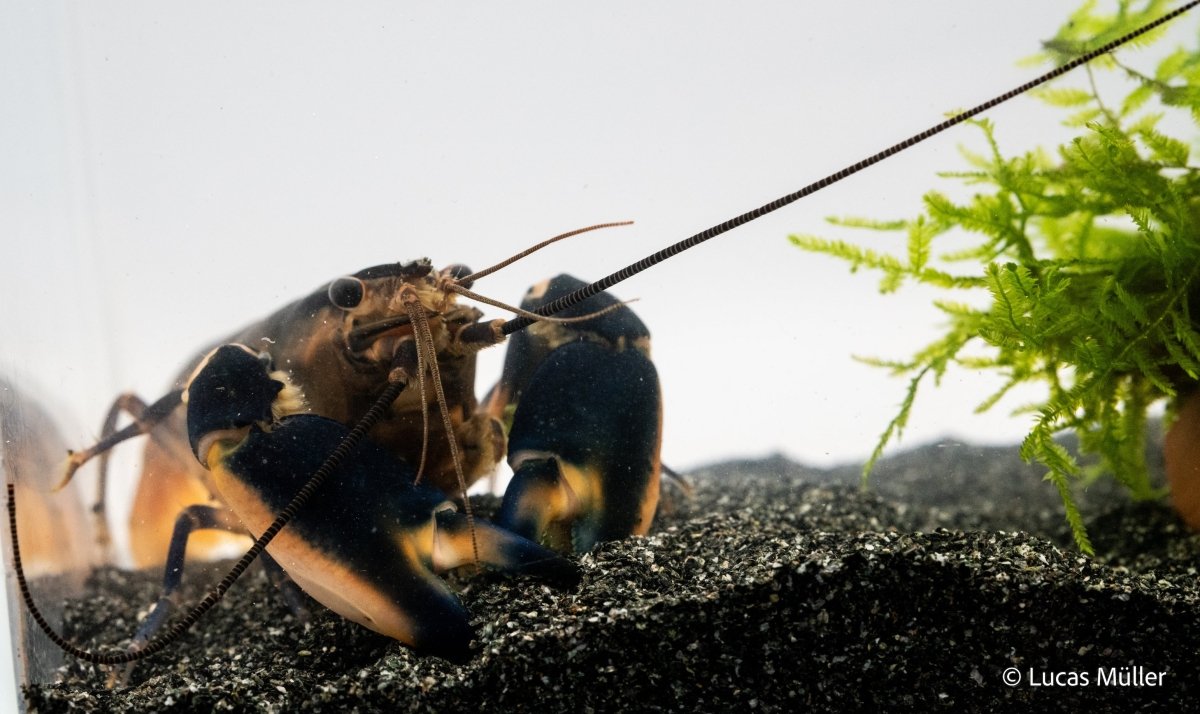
(424, 339)
(533, 315)
(424, 408)
(467, 280)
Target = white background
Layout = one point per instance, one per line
(170, 172)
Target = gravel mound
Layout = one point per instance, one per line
(775, 587)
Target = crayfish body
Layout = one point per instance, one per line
(585, 411)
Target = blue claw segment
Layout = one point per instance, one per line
(369, 543)
(614, 327)
(584, 448)
(527, 349)
(539, 504)
(230, 389)
(441, 625)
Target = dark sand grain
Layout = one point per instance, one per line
(777, 588)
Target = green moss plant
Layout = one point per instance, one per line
(1087, 258)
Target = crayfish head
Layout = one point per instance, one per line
(373, 302)
(232, 389)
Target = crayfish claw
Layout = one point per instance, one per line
(499, 549)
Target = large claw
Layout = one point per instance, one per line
(584, 448)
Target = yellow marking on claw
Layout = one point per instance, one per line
(585, 487)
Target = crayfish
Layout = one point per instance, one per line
(238, 437)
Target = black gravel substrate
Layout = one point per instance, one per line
(775, 588)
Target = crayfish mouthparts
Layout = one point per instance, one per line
(362, 337)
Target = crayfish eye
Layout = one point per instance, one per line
(458, 271)
(346, 292)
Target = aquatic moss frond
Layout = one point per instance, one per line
(1084, 263)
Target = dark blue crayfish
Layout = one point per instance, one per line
(579, 391)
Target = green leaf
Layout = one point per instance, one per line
(1171, 152)
(1063, 96)
(1074, 269)
(1171, 65)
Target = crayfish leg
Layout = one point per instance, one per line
(171, 481)
(197, 517)
(145, 419)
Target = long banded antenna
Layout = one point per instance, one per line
(520, 323)
(468, 279)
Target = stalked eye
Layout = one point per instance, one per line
(458, 271)
(346, 292)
